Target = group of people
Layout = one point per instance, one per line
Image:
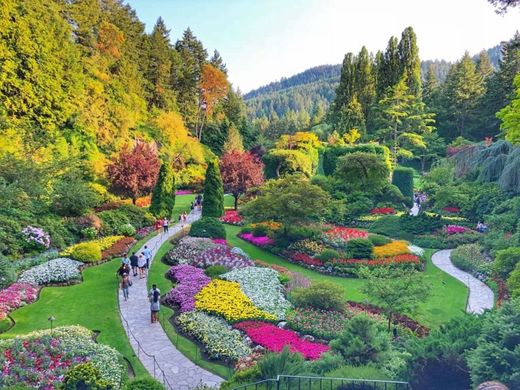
(481, 227)
(162, 224)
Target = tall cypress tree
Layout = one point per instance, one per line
(410, 62)
(163, 196)
(365, 81)
(389, 68)
(213, 201)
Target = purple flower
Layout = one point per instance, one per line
(190, 281)
(258, 241)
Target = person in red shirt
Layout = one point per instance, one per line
(158, 225)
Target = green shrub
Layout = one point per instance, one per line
(430, 241)
(89, 233)
(163, 196)
(387, 225)
(378, 240)
(126, 230)
(359, 248)
(289, 234)
(246, 229)
(469, 258)
(328, 255)
(506, 261)
(86, 377)
(208, 227)
(327, 362)
(214, 271)
(513, 282)
(72, 196)
(247, 375)
(112, 220)
(273, 364)
(358, 372)
(402, 178)
(260, 230)
(144, 384)
(423, 223)
(137, 216)
(320, 295)
(332, 153)
(283, 278)
(7, 272)
(87, 252)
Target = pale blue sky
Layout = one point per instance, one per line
(263, 40)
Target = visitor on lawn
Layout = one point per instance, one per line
(155, 304)
(125, 284)
(147, 255)
(165, 225)
(134, 262)
(141, 263)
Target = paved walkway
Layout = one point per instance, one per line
(480, 295)
(180, 372)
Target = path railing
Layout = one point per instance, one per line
(140, 350)
(295, 382)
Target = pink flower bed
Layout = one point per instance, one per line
(275, 339)
(258, 241)
(220, 241)
(382, 211)
(15, 296)
(300, 257)
(231, 217)
(190, 281)
(454, 229)
(183, 192)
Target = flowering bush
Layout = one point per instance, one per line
(58, 270)
(227, 300)
(324, 324)
(219, 341)
(263, 287)
(338, 236)
(15, 296)
(103, 243)
(219, 241)
(188, 249)
(258, 241)
(40, 359)
(271, 225)
(222, 255)
(299, 257)
(36, 237)
(307, 246)
(231, 217)
(393, 248)
(119, 248)
(275, 339)
(382, 211)
(406, 258)
(144, 231)
(190, 281)
(453, 210)
(144, 201)
(454, 229)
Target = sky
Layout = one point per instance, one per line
(264, 40)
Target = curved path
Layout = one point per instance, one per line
(180, 372)
(480, 295)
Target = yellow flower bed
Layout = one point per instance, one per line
(227, 300)
(393, 248)
(103, 243)
(271, 225)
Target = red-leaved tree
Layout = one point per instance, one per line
(134, 171)
(240, 171)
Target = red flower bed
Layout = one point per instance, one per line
(382, 211)
(275, 339)
(407, 322)
(231, 217)
(344, 233)
(119, 249)
(453, 210)
(299, 257)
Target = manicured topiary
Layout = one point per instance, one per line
(213, 201)
(402, 178)
(208, 227)
(84, 376)
(214, 271)
(359, 248)
(87, 252)
(163, 196)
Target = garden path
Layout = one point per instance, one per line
(480, 295)
(180, 372)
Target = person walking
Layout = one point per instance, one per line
(159, 225)
(125, 260)
(165, 225)
(148, 256)
(141, 263)
(125, 285)
(155, 304)
(134, 263)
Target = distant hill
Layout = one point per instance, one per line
(313, 89)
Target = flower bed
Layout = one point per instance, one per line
(323, 324)
(454, 229)
(190, 281)
(307, 246)
(219, 341)
(227, 300)
(59, 270)
(303, 258)
(232, 217)
(183, 192)
(393, 248)
(188, 249)
(222, 255)
(382, 211)
(390, 260)
(452, 210)
(275, 339)
(103, 243)
(338, 236)
(258, 241)
(297, 280)
(263, 287)
(15, 296)
(119, 248)
(271, 225)
(40, 359)
(143, 232)
(277, 268)
(219, 241)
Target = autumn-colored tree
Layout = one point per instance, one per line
(133, 172)
(213, 88)
(240, 171)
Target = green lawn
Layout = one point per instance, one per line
(447, 300)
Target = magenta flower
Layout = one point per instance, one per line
(190, 281)
(258, 241)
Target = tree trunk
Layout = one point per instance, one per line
(236, 201)
(134, 201)
(389, 320)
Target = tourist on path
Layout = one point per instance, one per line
(134, 262)
(155, 304)
(141, 263)
(125, 284)
(126, 260)
(165, 225)
(159, 225)
(124, 269)
(148, 256)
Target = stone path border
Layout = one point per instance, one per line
(480, 295)
(180, 373)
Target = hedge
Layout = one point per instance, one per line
(402, 178)
(331, 154)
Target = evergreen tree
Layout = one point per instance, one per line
(163, 196)
(410, 62)
(364, 84)
(233, 141)
(213, 201)
(217, 61)
(510, 116)
(484, 65)
(431, 88)
(389, 68)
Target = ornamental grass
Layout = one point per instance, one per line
(225, 299)
(393, 248)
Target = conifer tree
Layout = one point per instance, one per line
(364, 81)
(163, 196)
(213, 201)
(484, 65)
(409, 61)
(430, 88)
(233, 141)
(217, 61)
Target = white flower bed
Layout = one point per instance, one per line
(263, 287)
(418, 251)
(55, 271)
